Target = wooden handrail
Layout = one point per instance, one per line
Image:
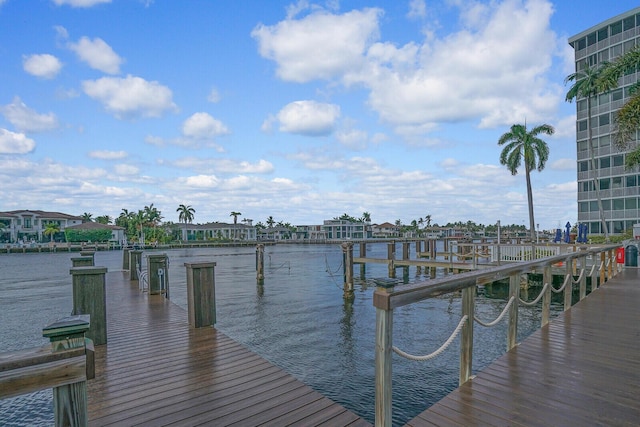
(386, 298)
(34, 369)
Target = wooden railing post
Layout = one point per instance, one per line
(466, 336)
(547, 278)
(363, 254)
(568, 290)
(201, 294)
(612, 259)
(70, 400)
(383, 364)
(514, 292)
(583, 277)
(125, 259)
(89, 297)
(474, 258)
(603, 265)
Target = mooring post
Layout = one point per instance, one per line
(125, 259)
(260, 263)
(466, 335)
(547, 279)
(82, 261)
(69, 401)
(383, 359)
(347, 257)
(568, 290)
(89, 297)
(391, 256)
(158, 274)
(135, 264)
(363, 265)
(201, 294)
(583, 275)
(514, 292)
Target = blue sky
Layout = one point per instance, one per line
(297, 110)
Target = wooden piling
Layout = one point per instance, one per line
(135, 264)
(89, 297)
(82, 261)
(391, 256)
(260, 263)
(201, 294)
(347, 256)
(125, 259)
(158, 274)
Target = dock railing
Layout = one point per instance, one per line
(599, 263)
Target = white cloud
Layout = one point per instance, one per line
(108, 155)
(214, 96)
(123, 169)
(228, 166)
(27, 120)
(203, 126)
(98, 54)
(80, 3)
(15, 143)
(130, 97)
(308, 118)
(417, 9)
(355, 139)
(320, 45)
(42, 65)
(563, 164)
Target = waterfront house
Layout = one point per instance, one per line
(385, 230)
(118, 235)
(275, 234)
(24, 226)
(217, 230)
(345, 229)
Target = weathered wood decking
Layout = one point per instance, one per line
(582, 369)
(155, 370)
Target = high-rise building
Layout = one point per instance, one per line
(619, 187)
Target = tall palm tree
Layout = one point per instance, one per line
(185, 214)
(525, 147)
(235, 216)
(366, 217)
(87, 217)
(589, 84)
(103, 219)
(51, 229)
(270, 222)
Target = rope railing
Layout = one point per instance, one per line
(576, 281)
(499, 318)
(567, 278)
(439, 351)
(538, 298)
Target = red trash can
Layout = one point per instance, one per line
(620, 256)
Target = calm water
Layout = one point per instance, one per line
(298, 320)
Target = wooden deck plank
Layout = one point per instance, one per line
(581, 369)
(156, 370)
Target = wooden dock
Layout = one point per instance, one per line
(155, 370)
(582, 369)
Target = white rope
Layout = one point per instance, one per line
(499, 318)
(436, 353)
(593, 268)
(576, 281)
(535, 301)
(566, 281)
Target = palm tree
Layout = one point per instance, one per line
(235, 216)
(427, 220)
(270, 222)
(103, 219)
(87, 217)
(628, 117)
(51, 229)
(185, 214)
(366, 217)
(589, 84)
(520, 146)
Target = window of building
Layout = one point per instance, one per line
(631, 181)
(603, 56)
(587, 186)
(603, 119)
(604, 141)
(618, 226)
(603, 34)
(606, 205)
(615, 51)
(583, 207)
(582, 105)
(593, 206)
(583, 146)
(617, 95)
(618, 204)
(582, 125)
(583, 166)
(605, 184)
(591, 39)
(629, 23)
(605, 162)
(581, 43)
(594, 227)
(616, 182)
(631, 203)
(27, 223)
(592, 60)
(603, 99)
(615, 28)
(618, 160)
